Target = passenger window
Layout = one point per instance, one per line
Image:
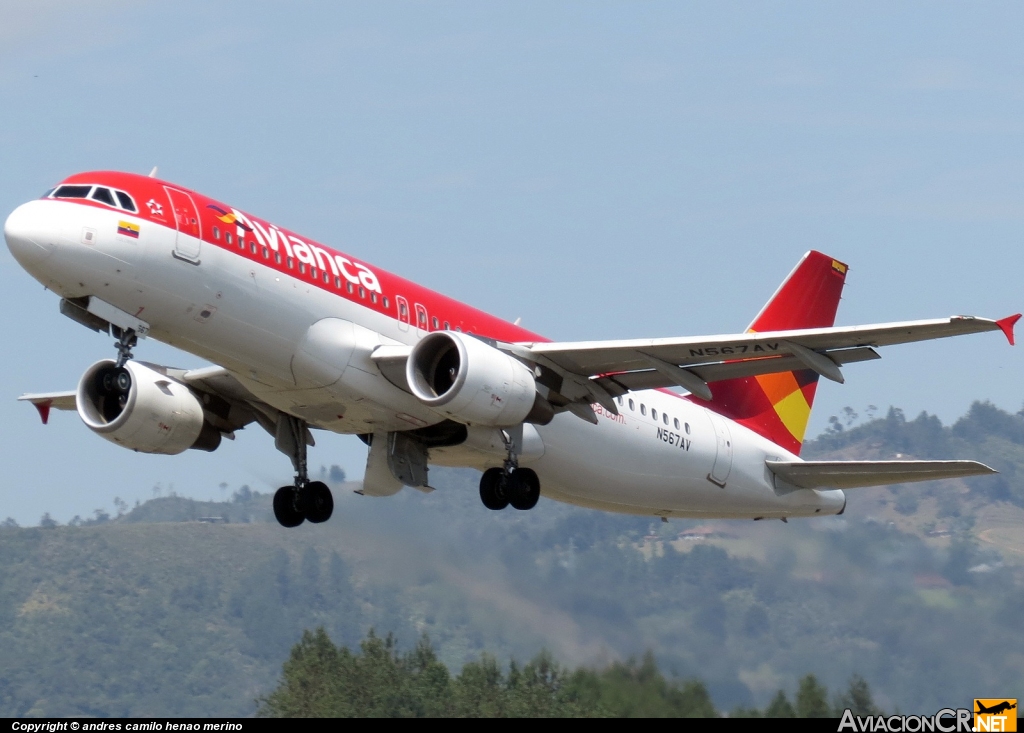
(277, 257)
(337, 283)
(619, 400)
(302, 268)
(266, 253)
(362, 293)
(632, 405)
(447, 326)
(350, 288)
(291, 264)
(72, 192)
(403, 309)
(216, 233)
(386, 306)
(252, 246)
(312, 272)
(654, 414)
(126, 201)
(664, 418)
(103, 195)
(686, 426)
(327, 278)
(643, 409)
(228, 238)
(373, 297)
(435, 322)
(459, 329)
(675, 421)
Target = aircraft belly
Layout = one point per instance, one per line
(624, 465)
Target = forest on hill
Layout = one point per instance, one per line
(178, 607)
(323, 680)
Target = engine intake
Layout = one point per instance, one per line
(473, 383)
(139, 408)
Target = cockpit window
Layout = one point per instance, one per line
(126, 201)
(103, 195)
(72, 192)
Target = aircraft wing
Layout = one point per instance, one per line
(227, 404)
(45, 401)
(855, 474)
(693, 362)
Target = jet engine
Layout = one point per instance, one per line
(141, 409)
(473, 383)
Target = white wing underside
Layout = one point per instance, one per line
(625, 365)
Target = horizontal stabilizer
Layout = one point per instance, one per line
(854, 474)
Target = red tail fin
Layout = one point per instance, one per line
(778, 406)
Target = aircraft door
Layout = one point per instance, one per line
(186, 218)
(723, 450)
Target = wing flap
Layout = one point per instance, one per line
(856, 474)
(618, 384)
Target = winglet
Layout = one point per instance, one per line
(44, 409)
(1007, 324)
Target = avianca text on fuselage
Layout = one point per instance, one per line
(310, 254)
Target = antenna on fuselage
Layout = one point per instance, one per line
(152, 173)
(517, 321)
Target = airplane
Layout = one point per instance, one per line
(1002, 707)
(304, 337)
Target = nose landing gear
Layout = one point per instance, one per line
(306, 499)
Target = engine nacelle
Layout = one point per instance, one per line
(141, 409)
(472, 382)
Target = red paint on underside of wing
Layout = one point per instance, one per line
(44, 410)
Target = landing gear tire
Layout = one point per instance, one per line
(316, 501)
(523, 489)
(286, 509)
(493, 489)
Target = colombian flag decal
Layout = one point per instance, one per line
(128, 229)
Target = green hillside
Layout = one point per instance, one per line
(920, 589)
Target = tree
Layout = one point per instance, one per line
(812, 699)
(780, 707)
(857, 698)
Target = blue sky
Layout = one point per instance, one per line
(602, 170)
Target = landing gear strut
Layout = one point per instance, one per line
(307, 499)
(510, 484)
(126, 341)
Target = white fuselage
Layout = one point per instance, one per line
(251, 319)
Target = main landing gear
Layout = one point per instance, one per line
(307, 499)
(510, 484)
(499, 488)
